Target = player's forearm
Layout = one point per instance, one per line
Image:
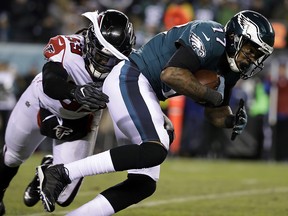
(55, 83)
(220, 116)
(185, 83)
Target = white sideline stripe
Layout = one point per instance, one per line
(189, 199)
(213, 196)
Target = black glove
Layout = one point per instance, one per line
(240, 121)
(169, 128)
(90, 96)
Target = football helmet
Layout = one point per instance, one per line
(248, 27)
(116, 30)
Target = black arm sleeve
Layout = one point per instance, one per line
(55, 83)
(185, 58)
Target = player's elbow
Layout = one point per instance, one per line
(166, 75)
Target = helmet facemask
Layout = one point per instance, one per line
(100, 61)
(251, 66)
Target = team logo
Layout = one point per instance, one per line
(61, 131)
(49, 49)
(197, 45)
(247, 24)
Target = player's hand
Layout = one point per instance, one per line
(221, 86)
(91, 96)
(168, 125)
(241, 121)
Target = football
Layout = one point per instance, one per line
(208, 78)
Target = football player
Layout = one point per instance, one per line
(163, 68)
(65, 102)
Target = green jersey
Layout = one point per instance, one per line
(205, 38)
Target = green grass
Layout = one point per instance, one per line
(187, 187)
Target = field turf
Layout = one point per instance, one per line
(187, 187)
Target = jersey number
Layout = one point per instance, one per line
(75, 45)
(222, 42)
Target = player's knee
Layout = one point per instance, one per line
(148, 154)
(12, 160)
(152, 154)
(134, 189)
(144, 186)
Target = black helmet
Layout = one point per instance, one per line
(249, 26)
(116, 30)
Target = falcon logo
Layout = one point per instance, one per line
(197, 45)
(61, 131)
(49, 49)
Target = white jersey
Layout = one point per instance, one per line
(23, 135)
(66, 49)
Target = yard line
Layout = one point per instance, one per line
(212, 196)
(190, 198)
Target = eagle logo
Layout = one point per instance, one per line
(197, 45)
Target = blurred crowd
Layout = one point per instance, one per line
(35, 21)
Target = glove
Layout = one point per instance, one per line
(169, 128)
(90, 96)
(221, 86)
(241, 120)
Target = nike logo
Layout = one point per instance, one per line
(207, 38)
(48, 117)
(27, 196)
(60, 43)
(82, 91)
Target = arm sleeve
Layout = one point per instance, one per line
(55, 83)
(185, 58)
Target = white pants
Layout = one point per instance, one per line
(135, 110)
(23, 137)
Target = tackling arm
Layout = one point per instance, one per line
(55, 83)
(56, 86)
